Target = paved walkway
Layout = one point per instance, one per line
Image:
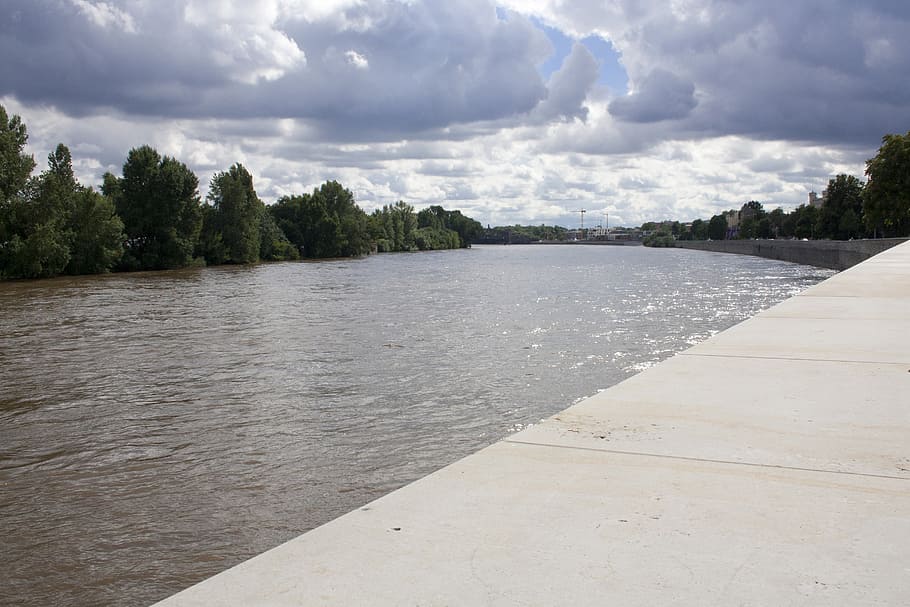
(769, 465)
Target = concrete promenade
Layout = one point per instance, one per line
(769, 465)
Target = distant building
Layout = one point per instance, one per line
(815, 201)
(624, 234)
(597, 233)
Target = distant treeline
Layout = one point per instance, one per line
(848, 208)
(152, 217)
(518, 234)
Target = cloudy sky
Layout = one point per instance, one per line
(510, 110)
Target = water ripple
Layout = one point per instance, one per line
(156, 428)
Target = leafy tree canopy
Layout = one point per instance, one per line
(236, 216)
(54, 226)
(15, 165)
(157, 198)
(843, 195)
(886, 199)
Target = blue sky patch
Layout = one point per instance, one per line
(612, 73)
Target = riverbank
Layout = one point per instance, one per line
(832, 254)
(765, 466)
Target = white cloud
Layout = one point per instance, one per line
(105, 15)
(356, 60)
(569, 86)
(244, 39)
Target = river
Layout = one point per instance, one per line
(156, 428)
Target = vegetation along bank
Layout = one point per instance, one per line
(152, 217)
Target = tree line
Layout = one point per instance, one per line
(850, 208)
(518, 234)
(152, 217)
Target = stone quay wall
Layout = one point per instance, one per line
(833, 254)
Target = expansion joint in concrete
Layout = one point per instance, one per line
(796, 359)
(705, 460)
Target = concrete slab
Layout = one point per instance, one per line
(841, 308)
(884, 275)
(848, 340)
(815, 415)
(563, 526)
(766, 466)
(884, 280)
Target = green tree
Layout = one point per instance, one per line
(326, 223)
(844, 193)
(788, 224)
(753, 208)
(886, 199)
(211, 242)
(393, 227)
(39, 245)
(776, 222)
(15, 168)
(748, 228)
(236, 216)
(97, 231)
(57, 226)
(717, 227)
(806, 221)
(288, 216)
(850, 225)
(274, 245)
(699, 229)
(157, 198)
(435, 216)
(15, 165)
(467, 229)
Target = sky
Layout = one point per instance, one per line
(511, 111)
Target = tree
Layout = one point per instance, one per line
(886, 198)
(393, 227)
(717, 227)
(274, 245)
(788, 224)
(844, 193)
(776, 220)
(97, 234)
(58, 226)
(326, 223)
(235, 220)
(748, 228)
(699, 229)
(15, 169)
(15, 165)
(39, 242)
(806, 221)
(754, 209)
(157, 199)
(467, 229)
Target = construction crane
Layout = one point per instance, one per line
(582, 212)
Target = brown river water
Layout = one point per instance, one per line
(157, 428)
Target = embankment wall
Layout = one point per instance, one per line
(833, 254)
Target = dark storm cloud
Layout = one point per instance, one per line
(814, 71)
(53, 54)
(414, 66)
